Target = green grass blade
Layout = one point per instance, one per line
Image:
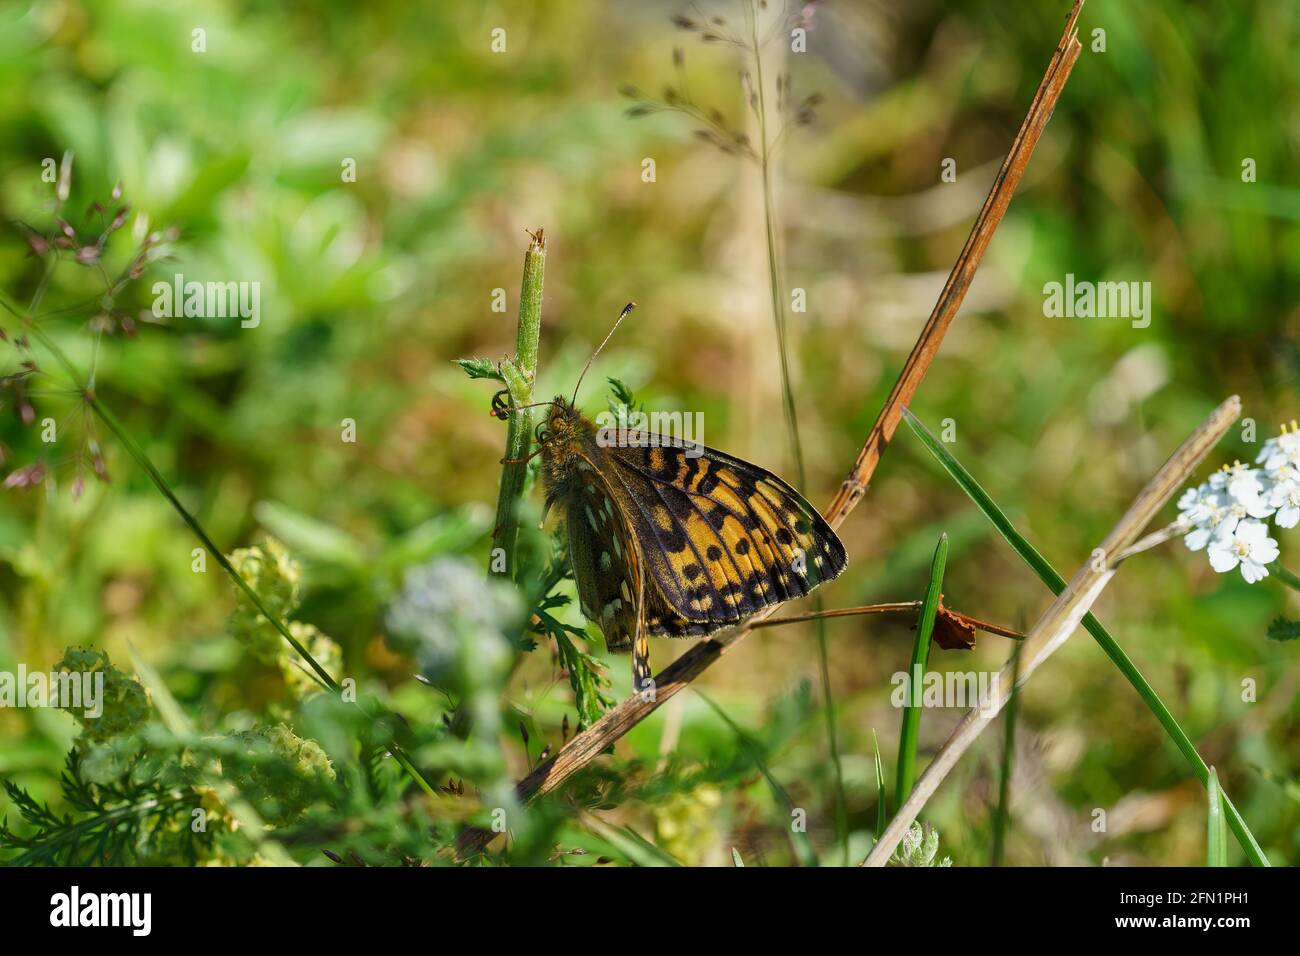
(736, 858)
(905, 775)
(882, 808)
(1216, 833)
(1056, 583)
(638, 850)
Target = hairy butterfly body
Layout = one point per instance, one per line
(672, 539)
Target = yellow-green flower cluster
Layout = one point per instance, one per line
(687, 826)
(276, 577)
(298, 674)
(125, 701)
(280, 773)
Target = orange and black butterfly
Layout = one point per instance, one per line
(670, 538)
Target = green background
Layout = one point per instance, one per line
(370, 289)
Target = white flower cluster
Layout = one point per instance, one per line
(1229, 513)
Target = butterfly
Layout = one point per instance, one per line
(669, 538)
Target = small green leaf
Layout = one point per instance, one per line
(310, 536)
(735, 858)
(481, 368)
(1283, 630)
(584, 675)
(638, 850)
(919, 847)
(620, 394)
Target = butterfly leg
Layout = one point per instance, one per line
(642, 681)
(641, 662)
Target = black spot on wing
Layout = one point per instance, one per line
(642, 492)
(716, 513)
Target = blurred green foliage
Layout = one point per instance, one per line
(369, 290)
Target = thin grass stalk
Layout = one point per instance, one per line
(905, 773)
(892, 607)
(773, 259)
(781, 325)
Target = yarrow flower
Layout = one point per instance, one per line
(1285, 497)
(1228, 514)
(1281, 451)
(1249, 547)
(1216, 507)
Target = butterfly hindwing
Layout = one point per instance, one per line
(721, 538)
(607, 565)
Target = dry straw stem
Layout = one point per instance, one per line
(678, 675)
(963, 273)
(1063, 617)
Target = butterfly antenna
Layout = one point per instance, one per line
(621, 316)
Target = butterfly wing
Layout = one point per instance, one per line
(607, 565)
(721, 538)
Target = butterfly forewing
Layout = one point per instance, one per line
(721, 538)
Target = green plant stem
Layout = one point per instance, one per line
(905, 773)
(520, 374)
(137, 453)
(1285, 576)
(1049, 576)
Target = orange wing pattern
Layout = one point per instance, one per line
(721, 538)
